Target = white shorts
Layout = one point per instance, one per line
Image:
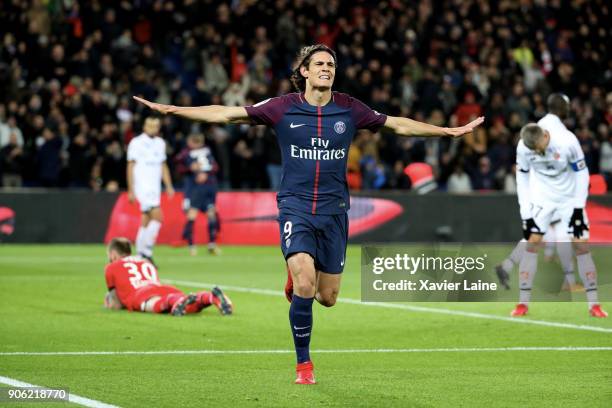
(148, 200)
(545, 213)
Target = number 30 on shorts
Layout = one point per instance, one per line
(287, 229)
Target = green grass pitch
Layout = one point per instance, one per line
(52, 302)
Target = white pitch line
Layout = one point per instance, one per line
(411, 308)
(101, 260)
(323, 351)
(75, 399)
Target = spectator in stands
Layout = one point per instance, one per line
(605, 160)
(459, 182)
(12, 161)
(483, 178)
(77, 62)
(49, 158)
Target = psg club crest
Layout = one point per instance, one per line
(339, 127)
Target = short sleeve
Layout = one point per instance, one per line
(365, 117)
(132, 151)
(110, 281)
(269, 111)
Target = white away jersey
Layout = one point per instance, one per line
(552, 177)
(553, 124)
(148, 154)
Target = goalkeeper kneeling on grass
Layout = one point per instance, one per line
(133, 284)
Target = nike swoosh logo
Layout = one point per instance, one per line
(342, 263)
(300, 328)
(292, 126)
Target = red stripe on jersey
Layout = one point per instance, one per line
(316, 182)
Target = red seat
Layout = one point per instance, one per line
(597, 185)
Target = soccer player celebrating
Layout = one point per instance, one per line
(146, 169)
(202, 191)
(552, 177)
(133, 284)
(315, 127)
(558, 109)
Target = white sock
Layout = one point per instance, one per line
(566, 257)
(570, 278)
(151, 236)
(140, 240)
(515, 256)
(527, 271)
(588, 274)
(549, 238)
(549, 249)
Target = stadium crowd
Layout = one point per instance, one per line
(68, 70)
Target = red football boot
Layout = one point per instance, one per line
(519, 310)
(289, 286)
(305, 373)
(597, 311)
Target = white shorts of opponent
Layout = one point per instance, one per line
(546, 212)
(148, 199)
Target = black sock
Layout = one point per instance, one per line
(212, 229)
(300, 318)
(188, 232)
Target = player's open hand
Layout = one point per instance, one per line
(464, 130)
(159, 107)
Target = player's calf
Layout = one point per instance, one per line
(289, 286)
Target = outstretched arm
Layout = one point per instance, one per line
(210, 114)
(409, 127)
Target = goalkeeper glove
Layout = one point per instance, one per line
(529, 226)
(577, 223)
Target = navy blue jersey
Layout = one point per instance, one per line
(314, 143)
(206, 164)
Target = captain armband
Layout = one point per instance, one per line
(579, 165)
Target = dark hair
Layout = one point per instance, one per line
(120, 245)
(304, 57)
(558, 104)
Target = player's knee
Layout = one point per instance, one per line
(327, 298)
(192, 214)
(535, 238)
(304, 288)
(156, 214)
(581, 247)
